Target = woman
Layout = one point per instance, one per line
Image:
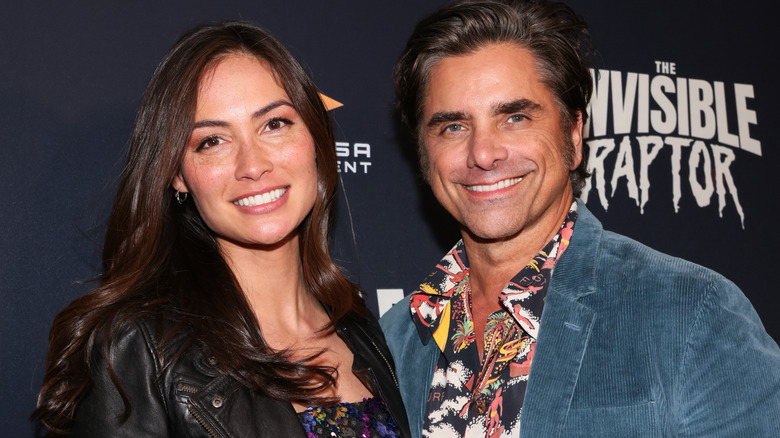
(220, 312)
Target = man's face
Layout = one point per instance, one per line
(495, 145)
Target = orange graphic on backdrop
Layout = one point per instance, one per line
(330, 103)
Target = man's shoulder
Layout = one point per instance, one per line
(610, 268)
(623, 255)
(628, 274)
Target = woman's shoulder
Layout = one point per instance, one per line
(129, 374)
(157, 337)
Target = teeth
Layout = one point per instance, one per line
(263, 198)
(497, 186)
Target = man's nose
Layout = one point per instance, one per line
(485, 149)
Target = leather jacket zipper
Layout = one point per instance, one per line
(183, 387)
(199, 418)
(373, 372)
(343, 330)
(389, 367)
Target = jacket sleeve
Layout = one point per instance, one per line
(730, 374)
(101, 412)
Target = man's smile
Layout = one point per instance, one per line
(504, 183)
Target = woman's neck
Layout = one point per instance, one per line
(272, 281)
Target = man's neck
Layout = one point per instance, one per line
(493, 263)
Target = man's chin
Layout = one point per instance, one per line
(490, 232)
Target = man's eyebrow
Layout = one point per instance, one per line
(259, 113)
(444, 117)
(516, 106)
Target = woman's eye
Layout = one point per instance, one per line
(209, 142)
(275, 124)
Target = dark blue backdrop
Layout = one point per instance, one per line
(74, 72)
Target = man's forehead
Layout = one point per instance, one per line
(496, 79)
(510, 64)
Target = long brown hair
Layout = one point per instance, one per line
(159, 257)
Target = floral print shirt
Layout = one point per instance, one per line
(482, 396)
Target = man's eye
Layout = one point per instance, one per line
(453, 128)
(516, 118)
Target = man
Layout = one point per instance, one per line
(538, 322)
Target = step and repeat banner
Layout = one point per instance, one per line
(682, 144)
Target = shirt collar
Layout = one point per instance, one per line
(523, 296)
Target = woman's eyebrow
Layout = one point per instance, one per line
(259, 113)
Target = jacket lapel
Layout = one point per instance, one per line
(419, 361)
(563, 338)
(564, 333)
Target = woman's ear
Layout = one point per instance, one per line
(179, 185)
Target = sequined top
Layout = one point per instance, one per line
(365, 419)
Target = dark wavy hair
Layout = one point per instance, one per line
(556, 36)
(159, 257)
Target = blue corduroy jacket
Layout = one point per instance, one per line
(632, 343)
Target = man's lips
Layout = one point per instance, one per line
(263, 198)
(504, 183)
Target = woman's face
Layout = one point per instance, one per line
(249, 165)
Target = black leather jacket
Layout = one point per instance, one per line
(193, 398)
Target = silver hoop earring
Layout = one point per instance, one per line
(180, 197)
